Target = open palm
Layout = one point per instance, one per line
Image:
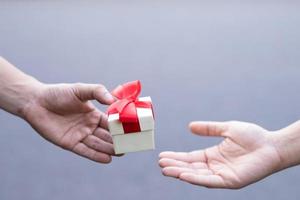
(246, 155)
(63, 114)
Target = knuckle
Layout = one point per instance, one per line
(65, 145)
(94, 145)
(97, 115)
(99, 91)
(101, 87)
(93, 119)
(93, 155)
(211, 128)
(108, 137)
(87, 153)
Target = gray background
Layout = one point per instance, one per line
(206, 60)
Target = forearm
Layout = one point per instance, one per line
(17, 89)
(287, 141)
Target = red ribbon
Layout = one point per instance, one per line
(127, 95)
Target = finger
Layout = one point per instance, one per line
(209, 128)
(83, 150)
(93, 92)
(176, 171)
(166, 162)
(99, 145)
(103, 121)
(103, 135)
(184, 156)
(211, 181)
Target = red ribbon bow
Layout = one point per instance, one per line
(127, 95)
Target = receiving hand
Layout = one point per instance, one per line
(246, 155)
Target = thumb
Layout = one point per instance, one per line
(209, 128)
(97, 92)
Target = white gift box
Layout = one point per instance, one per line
(137, 141)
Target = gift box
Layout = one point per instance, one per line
(131, 119)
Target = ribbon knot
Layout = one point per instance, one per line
(127, 95)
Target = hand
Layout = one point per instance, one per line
(63, 114)
(246, 155)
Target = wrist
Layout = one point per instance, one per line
(20, 94)
(287, 144)
(17, 89)
(32, 90)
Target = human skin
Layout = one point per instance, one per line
(61, 113)
(247, 154)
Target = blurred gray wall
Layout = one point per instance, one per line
(206, 60)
